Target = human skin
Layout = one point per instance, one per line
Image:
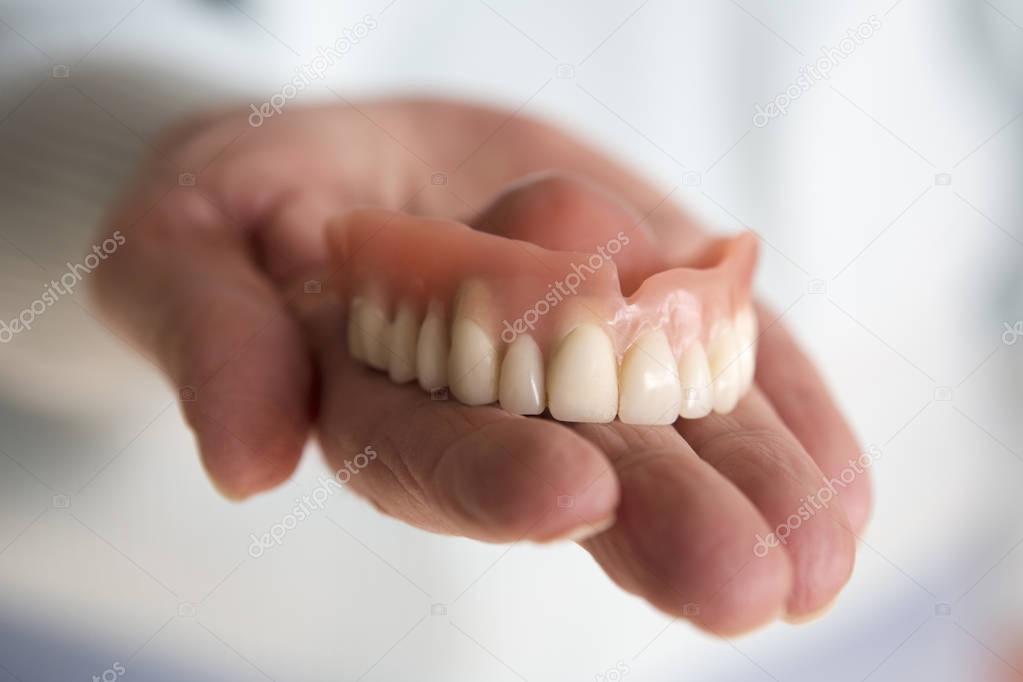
(211, 283)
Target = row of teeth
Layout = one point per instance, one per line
(582, 381)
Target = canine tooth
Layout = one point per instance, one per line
(472, 364)
(724, 367)
(432, 349)
(404, 333)
(695, 379)
(650, 392)
(746, 333)
(522, 379)
(582, 378)
(354, 331)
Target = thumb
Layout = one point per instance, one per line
(184, 287)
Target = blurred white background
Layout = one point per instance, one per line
(887, 199)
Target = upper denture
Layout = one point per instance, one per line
(423, 290)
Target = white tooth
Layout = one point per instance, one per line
(354, 331)
(582, 378)
(522, 380)
(724, 367)
(473, 364)
(694, 377)
(404, 333)
(375, 332)
(746, 333)
(650, 392)
(432, 349)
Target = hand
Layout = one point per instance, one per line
(210, 283)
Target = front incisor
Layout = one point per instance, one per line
(650, 392)
(582, 377)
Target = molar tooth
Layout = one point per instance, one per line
(695, 379)
(375, 332)
(582, 378)
(650, 391)
(472, 364)
(746, 333)
(724, 367)
(404, 333)
(432, 349)
(354, 330)
(522, 377)
(368, 331)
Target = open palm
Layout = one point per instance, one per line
(226, 283)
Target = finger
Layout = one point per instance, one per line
(474, 471)
(184, 288)
(683, 535)
(519, 146)
(753, 449)
(799, 396)
(570, 213)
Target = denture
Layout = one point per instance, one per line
(619, 331)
